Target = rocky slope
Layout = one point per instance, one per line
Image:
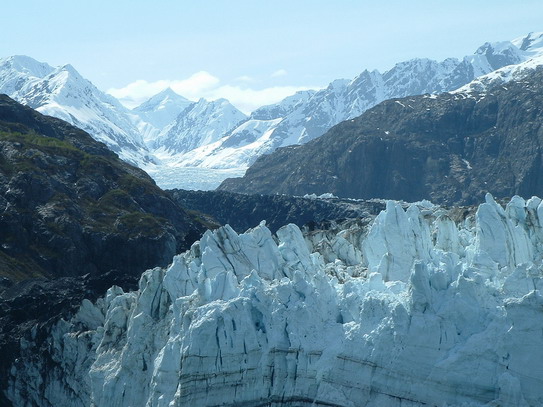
(449, 148)
(242, 211)
(69, 206)
(421, 308)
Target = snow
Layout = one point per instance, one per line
(419, 308)
(528, 59)
(305, 118)
(62, 92)
(191, 178)
(232, 152)
(162, 109)
(200, 124)
(170, 131)
(503, 75)
(327, 195)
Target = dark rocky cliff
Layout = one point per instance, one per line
(69, 206)
(74, 220)
(243, 211)
(450, 148)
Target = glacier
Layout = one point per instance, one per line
(421, 306)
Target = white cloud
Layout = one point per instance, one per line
(247, 99)
(204, 85)
(195, 85)
(245, 78)
(278, 73)
(137, 92)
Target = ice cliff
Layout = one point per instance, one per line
(422, 307)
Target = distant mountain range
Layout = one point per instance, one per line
(171, 131)
(310, 114)
(450, 148)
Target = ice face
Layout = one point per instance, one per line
(422, 307)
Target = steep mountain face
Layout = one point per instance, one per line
(284, 107)
(450, 148)
(158, 112)
(199, 124)
(71, 207)
(414, 310)
(317, 112)
(61, 92)
(242, 211)
(18, 71)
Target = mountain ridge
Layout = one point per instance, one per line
(345, 99)
(450, 148)
(297, 119)
(62, 92)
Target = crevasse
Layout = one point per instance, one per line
(424, 307)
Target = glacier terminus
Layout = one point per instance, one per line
(423, 306)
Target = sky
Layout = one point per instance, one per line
(250, 52)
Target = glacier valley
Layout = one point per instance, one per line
(192, 178)
(169, 131)
(422, 306)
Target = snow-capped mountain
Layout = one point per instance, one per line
(163, 108)
(417, 310)
(19, 71)
(158, 112)
(532, 52)
(174, 132)
(284, 107)
(62, 92)
(255, 136)
(346, 99)
(418, 147)
(252, 137)
(199, 124)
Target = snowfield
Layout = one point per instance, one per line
(191, 178)
(424, 307)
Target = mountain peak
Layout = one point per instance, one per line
(168, 93)
(70, 71)
(498, 55)
(164, 97)
(162, 108)
(339, 84)
(222, 102)
(500, 47)
(27, 65)
(68, 68)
